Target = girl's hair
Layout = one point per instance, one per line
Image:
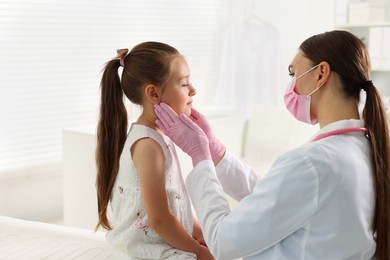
(348, 57)
(147, 63)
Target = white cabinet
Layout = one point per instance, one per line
(373, 28)
(80, 203)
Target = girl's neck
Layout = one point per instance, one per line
(147, 119)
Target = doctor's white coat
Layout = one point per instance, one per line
(316, 202)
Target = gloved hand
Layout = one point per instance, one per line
(183, 132)
(215, 146)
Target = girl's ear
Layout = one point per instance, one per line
(152, 93)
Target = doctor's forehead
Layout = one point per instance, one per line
(299, 60)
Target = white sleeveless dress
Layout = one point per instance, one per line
(131, 235)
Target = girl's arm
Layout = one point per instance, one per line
(149, 161)
(197, 233)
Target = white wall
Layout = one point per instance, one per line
(295, 21)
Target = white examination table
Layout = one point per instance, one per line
(22, 239)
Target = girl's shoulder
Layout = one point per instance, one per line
(138, 131)
(148, 138)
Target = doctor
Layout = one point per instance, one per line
(328, 199)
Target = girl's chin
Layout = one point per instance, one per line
(186, 111)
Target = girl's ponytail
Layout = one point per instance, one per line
(111, 136)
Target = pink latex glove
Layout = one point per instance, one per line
(183, 132)
(215, 146)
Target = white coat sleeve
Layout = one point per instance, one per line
(282, 202)
(237, 178)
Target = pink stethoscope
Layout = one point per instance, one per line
(340, 131)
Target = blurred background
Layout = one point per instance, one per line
(52, 53)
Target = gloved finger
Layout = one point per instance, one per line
(188, 122)
(193, 118)
(194, 113)
(169, 113)
(167, 108)
(163, 116)
(161, 126)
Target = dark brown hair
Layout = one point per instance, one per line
(147, 63)
(348, 57)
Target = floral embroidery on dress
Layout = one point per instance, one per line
(177, 196)
(139, 223)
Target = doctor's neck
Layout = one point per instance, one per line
(337, 108)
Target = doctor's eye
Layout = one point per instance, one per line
(290, 70)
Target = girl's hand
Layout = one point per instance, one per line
(197, 233)
(204, 254)
(200, 240)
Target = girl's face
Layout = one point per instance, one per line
(178, 91)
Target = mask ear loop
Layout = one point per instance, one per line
(308, 71)
(311, 93)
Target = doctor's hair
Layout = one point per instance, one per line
(348, 57)
(147, 63)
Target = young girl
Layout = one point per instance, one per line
(138, 172)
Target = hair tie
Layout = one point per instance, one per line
(121, 54)
(366, 85)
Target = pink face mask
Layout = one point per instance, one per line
(299, 105)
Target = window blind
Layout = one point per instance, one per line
(52, 53)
